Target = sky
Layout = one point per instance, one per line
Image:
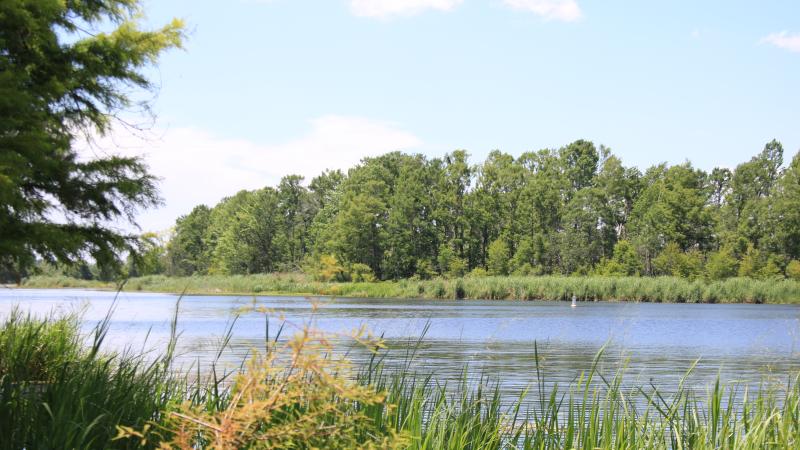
(266, 88)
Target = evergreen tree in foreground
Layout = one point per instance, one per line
(67, 69)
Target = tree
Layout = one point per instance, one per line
(579, 161)
(751, 184)
(67, 68)
(498, 257)
(297, 213)
(411, 235)
(751, 262)
(187, 252)
(673, 207)
(673, 261)
(722, 264)
(618, 186)
(624, 262)
(151, 260)
(450, 194)
(786, 211)
(582, 244)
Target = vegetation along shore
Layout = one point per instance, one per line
(544, 225)
(59, 393)
(590, 288)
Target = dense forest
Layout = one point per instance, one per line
(573, 210)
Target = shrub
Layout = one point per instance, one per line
(425, 270)
(793, 270)
(324, 268)
(498, 257)
(361, 273)
(478, 272)
(450, 264)
(721, 264)
(293, 397)
(751, 262)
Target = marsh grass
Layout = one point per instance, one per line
(590, 288)
(58, 392)
(592, 412)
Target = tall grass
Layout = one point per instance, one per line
(57, 392)
(660, 289)
(591, 413)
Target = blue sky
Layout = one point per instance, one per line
(269, 87)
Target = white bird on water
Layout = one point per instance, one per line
(574, 301)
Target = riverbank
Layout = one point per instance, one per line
(642, 289)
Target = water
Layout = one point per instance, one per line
(655, 343)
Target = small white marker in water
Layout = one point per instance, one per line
(574, 301)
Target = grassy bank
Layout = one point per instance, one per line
(56, 393)
(661, 289)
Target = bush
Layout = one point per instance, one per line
(295, 396)
(478, 272)
(672, 261)
(793, 270)
(751, 263)
(498, 257)
(450, 264)
(324, 268)
(425, 270)
(721, 265)
(361, 273)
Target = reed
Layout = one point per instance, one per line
(590, 288)
(59, 392)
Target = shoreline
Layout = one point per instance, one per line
(546, 288)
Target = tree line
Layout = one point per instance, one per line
(573, 210)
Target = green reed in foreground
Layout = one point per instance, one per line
(56, 392)
(589, 288)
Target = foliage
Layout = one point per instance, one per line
(722, 264)
(793, 270)
(296, 397)
(68, 69)
(624, 262)
(498, 257)
(449, 264)
(752, 263)
(573, 210)
(674, 262)
(361, 273)
(478, 272)
(476, 285)
(187, 250)
(292, 397)
(325, 268)
(57, 393)
(151, 259)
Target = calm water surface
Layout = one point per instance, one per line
(655, 343)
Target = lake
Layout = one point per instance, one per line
(655, 343)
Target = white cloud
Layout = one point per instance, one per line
(784, 40)
(197, 167)
(563, 10)
(382, 9)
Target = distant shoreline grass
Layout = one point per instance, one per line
(590, 288)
